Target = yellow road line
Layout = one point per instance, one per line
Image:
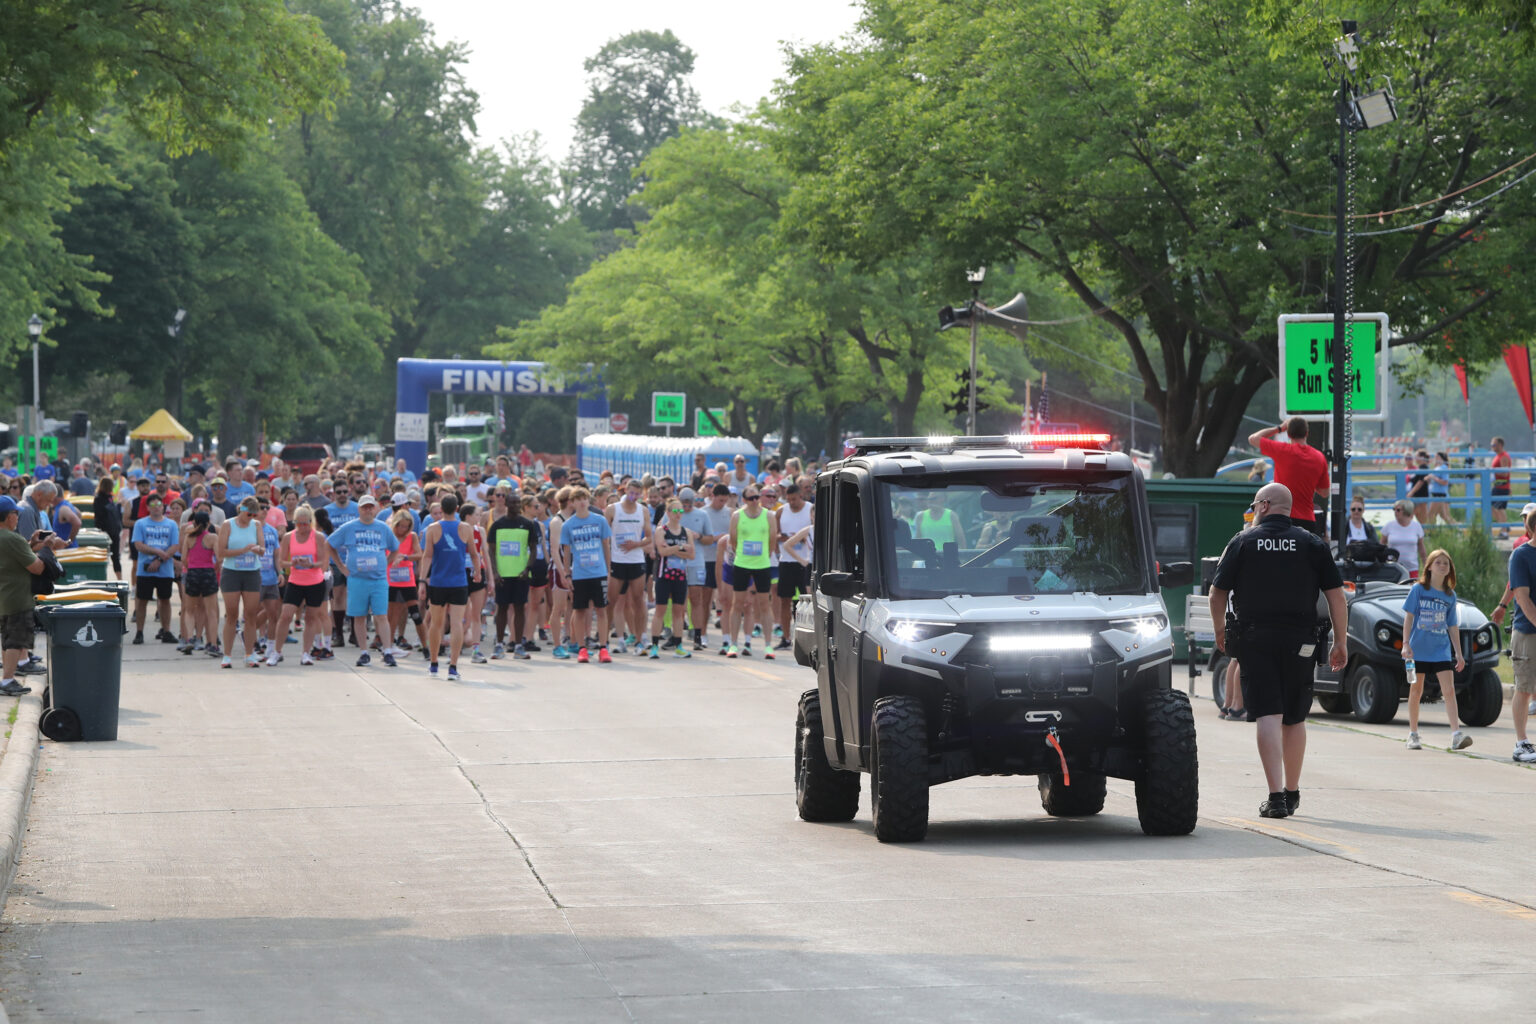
(1265, 826)
(749, 670)
(1493, 903)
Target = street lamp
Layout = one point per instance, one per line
(35, 328)
(1355, 113)
(1011, 316)
(174, 330)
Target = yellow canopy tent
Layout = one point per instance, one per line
(162, 426)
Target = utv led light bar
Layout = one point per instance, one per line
(1041, 642)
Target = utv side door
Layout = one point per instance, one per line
(838, 619)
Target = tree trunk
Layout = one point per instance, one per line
(904, 414)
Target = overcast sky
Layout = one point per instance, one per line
(526, 56)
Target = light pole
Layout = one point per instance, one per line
(174, 330)
(35, 328)
(1354, 113)
(975, 277)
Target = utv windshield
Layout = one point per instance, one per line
(1006, 532)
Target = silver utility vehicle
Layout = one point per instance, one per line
(988, 606)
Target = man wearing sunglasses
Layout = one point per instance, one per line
(754, 532)
(1275, 571)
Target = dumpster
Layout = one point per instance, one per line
(85, 669)
(89, 538)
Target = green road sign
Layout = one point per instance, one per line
(26, 451)
(668, 409)
(701, 425)
(1306, 365)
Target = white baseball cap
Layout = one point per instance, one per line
(367, 499)
(1530, 507)
(398, 498)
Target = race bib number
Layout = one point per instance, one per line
(400, 574)
(266, 561)
(365, 561)
(752, 548)
(511, 548)
(590, 560)
(247, 561)
(302, 562)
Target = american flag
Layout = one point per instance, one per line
(1045, 403)
(501, 417)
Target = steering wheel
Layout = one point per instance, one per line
(1097, 566)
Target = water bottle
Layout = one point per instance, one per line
(1412, 675)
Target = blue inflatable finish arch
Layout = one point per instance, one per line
(416, 379)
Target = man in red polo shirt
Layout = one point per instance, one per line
(1300, 467)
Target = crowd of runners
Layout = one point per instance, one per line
(500, 559)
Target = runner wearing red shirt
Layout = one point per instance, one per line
(1300, 467)
(1501, 460)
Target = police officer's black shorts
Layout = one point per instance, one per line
(1276, 675)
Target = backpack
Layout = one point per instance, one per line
(42, 583)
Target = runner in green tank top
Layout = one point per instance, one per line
(938, 524)
(753, 529)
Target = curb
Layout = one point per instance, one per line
(17, 769)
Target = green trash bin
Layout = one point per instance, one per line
(85, 671)
(89, 538)
(77, 572)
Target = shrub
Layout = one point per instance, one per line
(1481, 568)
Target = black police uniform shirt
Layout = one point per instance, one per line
(1274, 571)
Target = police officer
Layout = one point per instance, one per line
(1276, 570)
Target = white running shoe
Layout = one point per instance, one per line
(1525, 752)
(273, 659)
(306, 659)
(1460, 740)
(1413, 741)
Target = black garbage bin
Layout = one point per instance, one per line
(85, 670)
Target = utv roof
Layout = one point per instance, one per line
(995, 451)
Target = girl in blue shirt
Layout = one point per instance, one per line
(1432, 641)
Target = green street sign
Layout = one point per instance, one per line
(1306, 365)
(701, 425)
(26, 451)
(668, 408)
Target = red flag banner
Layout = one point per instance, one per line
(1461, 378)
(1518, 359)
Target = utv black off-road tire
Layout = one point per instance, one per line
(822, 792)
(1483, 701)
(1373, 693)
(1334, 703)
(1084, 797)
(1168, 789)
(898, 788)
(1219, 679)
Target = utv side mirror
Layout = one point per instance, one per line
(839, 584)
(1176, 574)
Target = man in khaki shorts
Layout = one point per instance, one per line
(1522, 639)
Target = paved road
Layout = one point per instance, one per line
(552, 842)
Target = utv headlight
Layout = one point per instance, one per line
(1145, 628)
(911, 631)
(1383, 635)
(1483, 639)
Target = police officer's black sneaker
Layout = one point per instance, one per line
(1274, 807)
(1292, 800)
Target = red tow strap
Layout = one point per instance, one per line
(1050, 739)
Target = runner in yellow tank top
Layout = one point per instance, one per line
(753, 530)
(938, 524)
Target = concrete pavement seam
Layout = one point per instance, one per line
(485, 806)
